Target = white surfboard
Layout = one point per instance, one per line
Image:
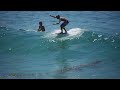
(71, 34)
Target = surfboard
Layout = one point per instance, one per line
(71, 34)
(61, 33)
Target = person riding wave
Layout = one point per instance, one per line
(62, 26)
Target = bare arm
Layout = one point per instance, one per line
(39, 29)
(58, 22)
(53, 16)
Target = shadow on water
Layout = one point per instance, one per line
(61, 59)
(64, 65)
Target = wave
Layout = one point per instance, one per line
(71, 34)
(10, 39)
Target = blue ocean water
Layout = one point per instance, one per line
(91, 50)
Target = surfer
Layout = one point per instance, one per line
(41, 27)
(62, 26)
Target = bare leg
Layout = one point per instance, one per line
(65, 30)
(63, 26)
(61, 30)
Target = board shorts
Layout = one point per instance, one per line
(64, 24)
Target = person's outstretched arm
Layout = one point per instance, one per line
(53, 16)
(58, 22)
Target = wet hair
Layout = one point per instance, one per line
(40, 22)
(58, 16)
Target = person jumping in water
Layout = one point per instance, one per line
(41, 27)
(62, 26)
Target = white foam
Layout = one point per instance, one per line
(113, 40)
(10, 49)
(105, 38)
(94, 40)
(99, 35)
(72, 33)
(93, 33)
(28, 30)
(31, 30)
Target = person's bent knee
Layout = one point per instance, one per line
(61, 26)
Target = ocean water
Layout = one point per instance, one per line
(90, 50)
